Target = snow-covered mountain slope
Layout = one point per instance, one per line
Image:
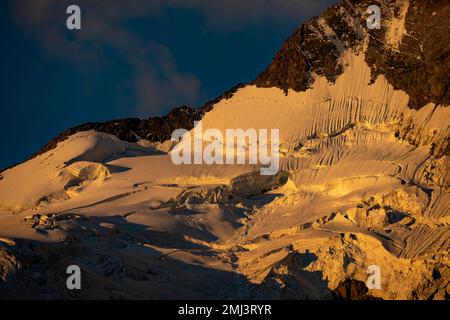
(363, 181)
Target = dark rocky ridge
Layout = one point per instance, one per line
(129, 129)
(154, 129)
(419, 66)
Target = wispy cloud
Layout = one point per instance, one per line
(158, 83)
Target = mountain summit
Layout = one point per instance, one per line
(410, 49)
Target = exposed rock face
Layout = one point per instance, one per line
(309, 49)
(353, 290)
(153, 129)
(8, 264)
(411, 49)
(418, 62)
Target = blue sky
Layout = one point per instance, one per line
(132, 58)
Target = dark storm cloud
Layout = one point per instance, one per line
(156, 76)
(157, 80)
